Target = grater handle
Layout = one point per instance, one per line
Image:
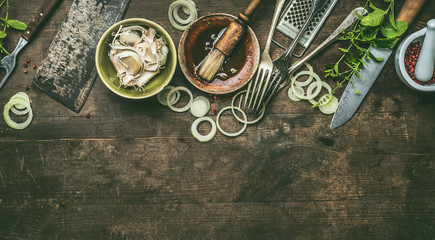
(315, 7)
(278, 8)
(349, 21)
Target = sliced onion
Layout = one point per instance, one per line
(311, 95)
(161, 97)
(188, 7)
(323, 98)
(231, 134)
(8, 119)
(183, 109)
(306, 82)
(20, 109)
(330, 107)
(238, 118)
(200, 137)
(292, 96)
(200, 106)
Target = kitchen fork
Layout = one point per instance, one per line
(265, 67)
(281, 65)
(8, 62)
(349, 21)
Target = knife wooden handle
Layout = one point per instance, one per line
(410, 10)
(46, 8)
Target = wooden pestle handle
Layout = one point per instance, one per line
(236, 29)
(410, 10)
(44, 11)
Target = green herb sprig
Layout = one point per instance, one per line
(379, 28)
(8, 23)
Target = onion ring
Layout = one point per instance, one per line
(231, 134)
(161, 97)
(12, 123)
(200, 106)
(330, 107)
(308, 96)
(292, 96)
(183, 109)
(306, 82)
(200, 137)
(188, 7)
(310, 90)
(241, 120)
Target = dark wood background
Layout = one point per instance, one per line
(133, 170)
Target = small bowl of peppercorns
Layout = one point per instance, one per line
(406, 58)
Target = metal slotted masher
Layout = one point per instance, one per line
(281, 65)
(265, 67)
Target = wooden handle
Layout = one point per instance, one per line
(46, 8)
(236, 29)
(410, 10)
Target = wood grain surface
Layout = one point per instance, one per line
(134, 171)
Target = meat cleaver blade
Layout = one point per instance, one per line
(67, 71)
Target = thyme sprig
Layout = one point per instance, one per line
(379, 28)
(8, 23)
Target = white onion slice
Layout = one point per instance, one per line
(308, 96)
(183, 109)
(231, 134)
(292, 96)
(200, 137)
(306, 82)
(8, 119)
(331, 107)
(238, 118)
(188, 7)
(200, 106)
(161, 97)
(322, 99)
(20, 109)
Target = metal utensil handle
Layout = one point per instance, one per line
(278, 8)
(46, 8)
(300, 33)
(350, 20)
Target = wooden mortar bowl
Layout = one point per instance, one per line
(249, 43)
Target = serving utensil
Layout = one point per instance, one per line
(265, 67)
(280, 65)
(8, 62)
(349, 21)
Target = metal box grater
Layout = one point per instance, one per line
(293, 17)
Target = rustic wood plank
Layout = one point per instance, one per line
(133, 170)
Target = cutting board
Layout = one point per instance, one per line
(67, 71)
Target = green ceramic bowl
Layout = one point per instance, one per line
(107, 72)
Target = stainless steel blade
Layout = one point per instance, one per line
(351, 100)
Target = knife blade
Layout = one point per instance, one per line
(350, 100)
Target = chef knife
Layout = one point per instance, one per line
(351, 100)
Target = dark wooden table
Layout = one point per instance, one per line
(134, 171)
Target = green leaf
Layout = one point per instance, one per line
(359, 16)
(3, 34)
(389, 31)
(377, 58)
(374, 19)
(385, 42)
(16, 24)
(370, 33)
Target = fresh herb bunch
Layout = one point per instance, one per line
(7, 23)
(379, 28)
